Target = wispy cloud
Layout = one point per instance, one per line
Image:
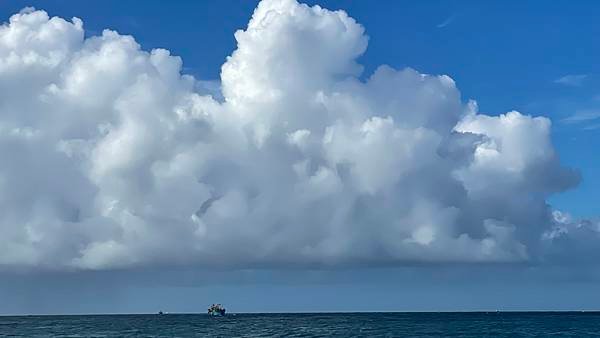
(446, 22)
(582, 116)
(592, 127)
(574, 80)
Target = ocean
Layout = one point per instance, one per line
(457, 324)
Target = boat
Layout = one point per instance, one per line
(216, 310)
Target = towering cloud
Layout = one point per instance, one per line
(111, 158)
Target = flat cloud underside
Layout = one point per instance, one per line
(112, 158)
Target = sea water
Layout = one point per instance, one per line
(473, 324)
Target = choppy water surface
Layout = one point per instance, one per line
(503, 324)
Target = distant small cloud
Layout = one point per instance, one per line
(571, 80)
(446, 22)
(582, 116)
(592, 127)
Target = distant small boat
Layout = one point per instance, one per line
(216, 310)
(160, 313)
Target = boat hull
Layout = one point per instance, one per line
(216, 313)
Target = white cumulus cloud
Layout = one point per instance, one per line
(112, 158)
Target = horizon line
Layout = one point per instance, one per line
(294, 312)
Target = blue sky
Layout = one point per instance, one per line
(506, 56)
(539, 58)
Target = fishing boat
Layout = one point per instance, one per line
(216, 310)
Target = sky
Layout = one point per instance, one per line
(408, 156)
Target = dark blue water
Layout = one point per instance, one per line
(503, 324)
